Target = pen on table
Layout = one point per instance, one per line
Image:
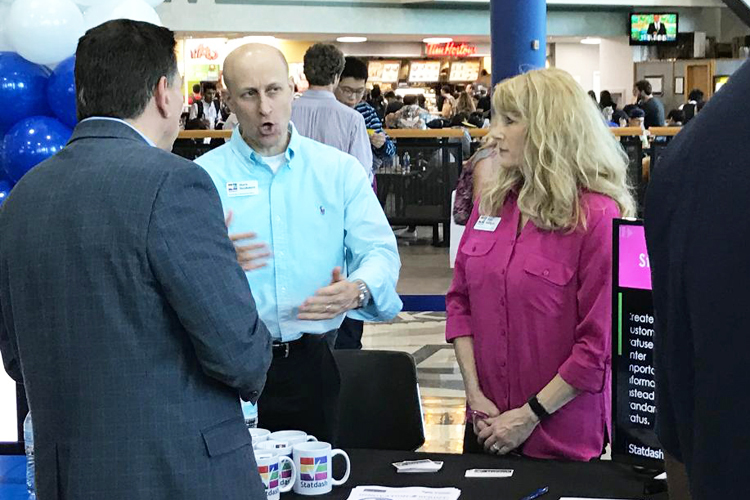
(536, 494)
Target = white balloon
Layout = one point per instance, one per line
(137, 10)
(5, 45)
(89, 3)
(44, 31)
(154, 3)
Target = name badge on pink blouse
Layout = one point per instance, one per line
(487, 223)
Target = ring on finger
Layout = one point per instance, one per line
(328, 307)
(494, 448)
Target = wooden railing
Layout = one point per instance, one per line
(440, 133)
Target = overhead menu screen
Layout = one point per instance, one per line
(424, 71)
(383, 71)
(464, 71)
(633, 380)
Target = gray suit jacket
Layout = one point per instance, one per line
(124, 312)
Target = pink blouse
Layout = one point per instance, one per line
(537, 305)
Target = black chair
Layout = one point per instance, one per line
(379, 404)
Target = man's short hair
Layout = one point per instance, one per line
(446, 89)
(355, 68)
(117, 55)
(323, 62)
(209, 86)
(644, 86)
(390, 95)
(196, 88)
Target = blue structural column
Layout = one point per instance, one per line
(519, 34)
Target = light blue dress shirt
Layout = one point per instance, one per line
(317, 212)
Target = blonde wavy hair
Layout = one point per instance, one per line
(568, 149)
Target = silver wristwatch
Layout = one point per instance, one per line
(364, 294)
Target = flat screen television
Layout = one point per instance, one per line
(653, 28)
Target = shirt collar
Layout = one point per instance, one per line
(318, 94)
(109, 118)
(247, 153)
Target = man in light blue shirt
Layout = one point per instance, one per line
(314, 208)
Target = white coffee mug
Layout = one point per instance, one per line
(281, 449)
(292, 437)
(315, 468)
(259, 435)
(269, 468)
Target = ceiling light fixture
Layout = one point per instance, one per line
(591, 41)
(351, 39)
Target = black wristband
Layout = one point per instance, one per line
(537, 408)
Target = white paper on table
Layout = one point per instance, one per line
(413, 493)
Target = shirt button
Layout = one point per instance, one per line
(502, 364)
(546, 272)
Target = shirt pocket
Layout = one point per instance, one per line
(476, 249)
(548, 284)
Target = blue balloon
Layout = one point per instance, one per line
(23, 89)
(5, 188)
(61, 92)
(30, 142)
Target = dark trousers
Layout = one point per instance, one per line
(350, 334)
(302, 391)
(471, 445)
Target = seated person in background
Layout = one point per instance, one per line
(675, 118)
(465, 104)
(620, 118)
(477, 172)
(529, 309)
(395, 102)
(409, 116)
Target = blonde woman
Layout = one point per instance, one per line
(529, 307)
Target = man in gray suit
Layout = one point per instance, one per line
(123, 309)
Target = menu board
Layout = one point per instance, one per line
(633, 380)
(424, 71)
(464, 71)
(383, 71)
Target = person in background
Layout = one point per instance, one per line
(484, 103)
(529, 309)
(676, 118)
(395, 102)
(477, 172)
(349, 92)
(333, 250)
(697, 235)
(651, 105)
(205, 114)
(449, 102)
(196, 95)
(321, 117)
(422, 102)
(123, 310)
(377, 101)
(465, 104)
(620, 118)
(410, 116)
(592, 95)
(694, 104)
(606, 101)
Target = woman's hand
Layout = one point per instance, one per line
(479, 402)
(508, 431)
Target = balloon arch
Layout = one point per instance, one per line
(38, 40)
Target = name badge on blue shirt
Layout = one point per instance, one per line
(487, 223)
(242, 188)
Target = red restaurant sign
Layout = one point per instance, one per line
(451, 49)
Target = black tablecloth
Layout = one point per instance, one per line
(602, 479)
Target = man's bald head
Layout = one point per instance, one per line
(251, 57)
